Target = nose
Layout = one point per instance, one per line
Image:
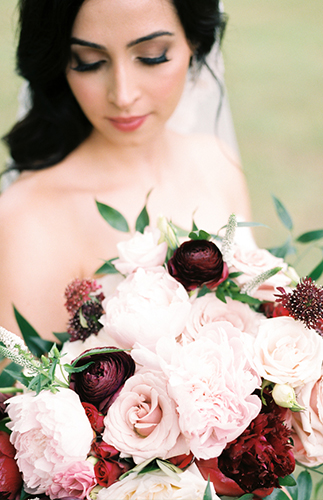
(123, 89)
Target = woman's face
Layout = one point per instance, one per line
(129, 60)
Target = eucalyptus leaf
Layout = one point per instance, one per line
(97, 350)
(287, 481)
(194, 226)
(181, 233)
(15, 375)
(208, 493)
(33, 340)
(247, 496)
(317, 271)
(305, 484)
(286, 249)
(310, 236)
(8, 376)
(199, 235)
(107, 268)
(251, 224)
(318, 494)
(143, 218)
(113, 217)
(62, 336)
(278, 494)
(283, 213)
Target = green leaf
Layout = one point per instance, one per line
(246, 299)
(317, 493)
(3, 426)
(310, 236)
(15, 375)
(208, 493)
(181, 233)
(287, 481)
(278, 494)
(283, 214)
(235, 275)
(167, 470)
(304, 482)
(76, 369)
(33, 340)
(62, 337)
(107, 267)
(251, 224)
(204, 291)
(8, 379)
(143, 218)
(194, 226)
(247, 496)
(199, 235)
(113, 217)
(219, 292)
(97, 350)
(317, 271)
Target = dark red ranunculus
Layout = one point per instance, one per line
(196, 263)
(259, 456)
(95, 417)
(100, 383)
(10, 477)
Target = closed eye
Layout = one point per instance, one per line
(151, 61)
(82, 66)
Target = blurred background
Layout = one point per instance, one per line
(273, 52)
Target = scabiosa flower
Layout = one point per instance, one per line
(305, 303)
(85, 321)
(78, 292)
(85, 308)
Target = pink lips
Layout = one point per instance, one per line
(128, 124)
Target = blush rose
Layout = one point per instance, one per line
(286, 352)
(143, 422)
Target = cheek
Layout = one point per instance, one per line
(169, 89)
(88, 93)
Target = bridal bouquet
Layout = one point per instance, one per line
(199, 376)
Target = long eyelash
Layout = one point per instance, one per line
(151, 61)
(82, 67)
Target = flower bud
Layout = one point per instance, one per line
(168, 233)
(284, 395)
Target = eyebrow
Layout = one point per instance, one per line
(92, 45)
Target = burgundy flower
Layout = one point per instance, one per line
(85, 321)
(100, 383)
(273, 310)
(108, 472)
(10, 477)
(260, 455)
(101, 449)
(196, 263)
(304, 303)
(78, 292)
(95, 417)
(3, 406)
(182, 461)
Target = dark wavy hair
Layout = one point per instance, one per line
(55, 124)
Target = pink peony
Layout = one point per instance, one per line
(212, 383)
(48, 430)
(143, 422)
(286, 352)
(252, 262)
(74, 480)
(308, 424)
(146, 306)
(142, 250)
(209, 308)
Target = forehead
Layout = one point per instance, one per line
(129, 18)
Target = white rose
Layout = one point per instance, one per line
(147, 305)
(142, 422)
(142, 250)
(209, 308)
(286, 352)
(158, 486)
(48, 430)
(252, 262)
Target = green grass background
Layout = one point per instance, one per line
(273, 52)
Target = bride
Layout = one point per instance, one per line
(105, 77)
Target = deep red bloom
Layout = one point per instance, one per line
(273, 310)
(100, 383)
(95, 417)
(101, 449)
(182, 461)
(196, 263)
(258, 457)
(10, 477)
(108, 472)
(304, 303)
(78, 292)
